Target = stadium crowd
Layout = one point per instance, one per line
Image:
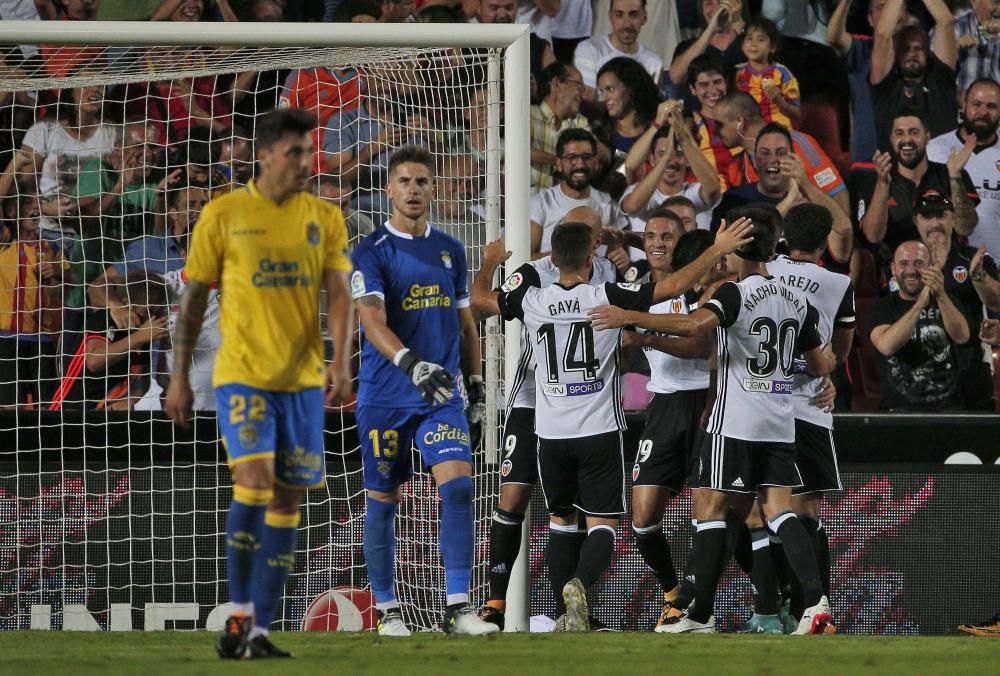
(884, 113)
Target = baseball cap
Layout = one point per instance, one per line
(932, 202)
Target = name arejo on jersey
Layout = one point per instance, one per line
(768, 386)
(573, 389)
(271, 273)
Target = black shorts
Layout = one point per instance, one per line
(519, 464)
(816, 457)
(668, 446)
(27, 368)
(738, 466)
(585, 473)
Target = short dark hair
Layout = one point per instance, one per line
(557, 70)
(662, 132)
(766, 227)
(989, 82)
(411, 153)
(690, 245)
(574, 134)
(278, 124)
(907, 33)
(348, 9)
(912, 112)
(678, 201)
(768, 28)
(664, 212)
(740, 102)
(704, 63)
(806, 227)
(612, 4)
(174, 194)
(572, 243)
(774, 128)
(146, 289)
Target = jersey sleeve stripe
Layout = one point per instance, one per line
(463, 302)
(715, 307)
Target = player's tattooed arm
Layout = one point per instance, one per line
(371, 311)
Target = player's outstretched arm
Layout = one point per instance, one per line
(610, 317)
(340, 319)
(179, 395)
(728, 239)
(436, 385)
(484, 298)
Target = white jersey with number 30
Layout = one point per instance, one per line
(763, 325)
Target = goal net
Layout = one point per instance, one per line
(110, 516)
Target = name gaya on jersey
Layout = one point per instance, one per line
(522, 388)
(423, 282)
(577, 368)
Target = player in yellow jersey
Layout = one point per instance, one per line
(271, 245)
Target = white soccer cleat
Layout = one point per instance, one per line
(391, 624)
(815, 619)
(577, 612)
(688, 626)
(466, 621)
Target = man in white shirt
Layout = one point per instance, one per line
(673, 150)
(577, 161)
(627, 18)
(981, 117)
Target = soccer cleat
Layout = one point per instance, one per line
(688, 626)
(465, 621)
(669, 614)
(261, 648)
(491, 615)
(764, 624)
(815, 619)
(232, 641)
(577, 613)
(390, 623)
(990, 627)
(788, 622)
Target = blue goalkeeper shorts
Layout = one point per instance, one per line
(388, 434)
(286, 426)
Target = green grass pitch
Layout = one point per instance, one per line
(177, 653)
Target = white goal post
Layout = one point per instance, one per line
(239, 47)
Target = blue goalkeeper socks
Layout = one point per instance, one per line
(244, 532)
(272, 565)
(380, 551)
(457, 537)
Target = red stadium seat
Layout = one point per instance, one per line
(869, 280)
(862, 363)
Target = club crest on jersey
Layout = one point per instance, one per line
(512, 282)
(383, 467)
(446, 259)
(960, 273)
(357, 283)
(312, 233)
(248, 435)
(676, 306)
(506, 467)
(631, 274)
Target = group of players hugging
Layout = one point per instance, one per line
(738, 355)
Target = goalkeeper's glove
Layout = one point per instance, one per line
(436, 385)
(476, 413)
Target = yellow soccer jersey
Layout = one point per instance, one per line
(270, 260)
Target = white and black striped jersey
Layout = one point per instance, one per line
(832, 294)
(577, 368)
(668, 373)
(763, 324)
(521, 393)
